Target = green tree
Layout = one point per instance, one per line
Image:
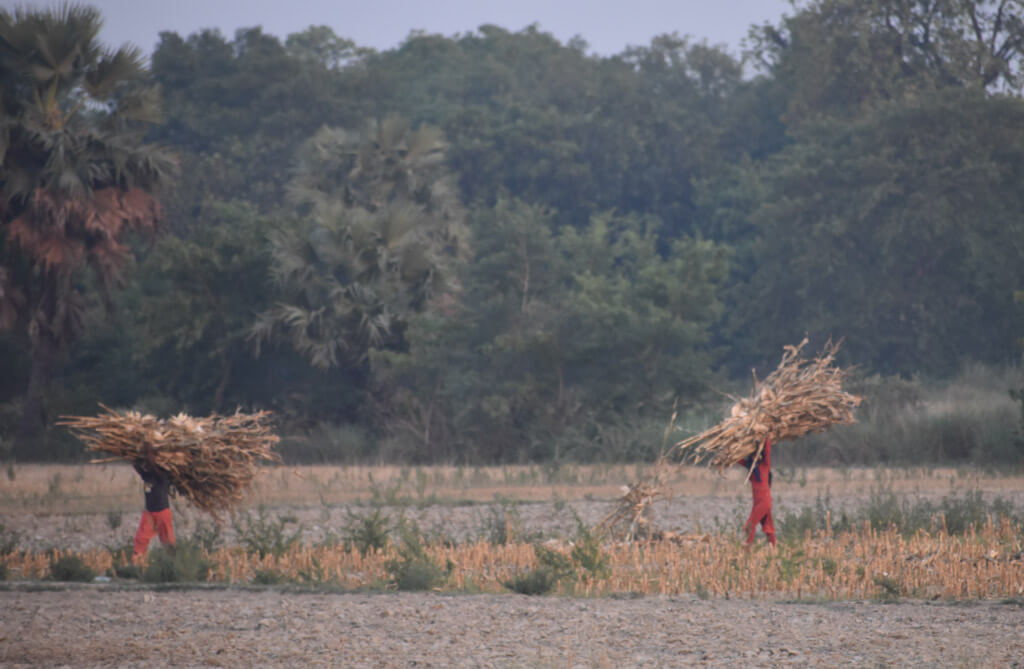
(898, 232)
(555, 335)
(842, 57)
(380, 227)
(77, 178)
(195, 301)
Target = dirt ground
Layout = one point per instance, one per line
(102, 627)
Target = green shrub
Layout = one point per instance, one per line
(503, 525)
(268, 577)
(412, 569)
(418, 575)
(9, 540)
(559, 565)
(888, 588)
(185, 564)
(539, 581)
(368, 532)
(70, 568)
(587, 552)
(885, 509)
(793, 526)
(263, 535)
(114, 519)
(207, 536)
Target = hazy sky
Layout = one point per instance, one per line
(608, 26)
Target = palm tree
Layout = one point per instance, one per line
(75, 176)
(380, 229)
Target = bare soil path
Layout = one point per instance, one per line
(101, 627)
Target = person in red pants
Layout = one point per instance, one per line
(156, 519)
(761, 487)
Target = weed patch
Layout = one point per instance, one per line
(70, 568)
(264, 535)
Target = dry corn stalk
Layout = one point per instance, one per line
(800, 397)
(210, 461)
(633, 514)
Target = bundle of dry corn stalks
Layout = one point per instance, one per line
(800, 397)
(210, 461)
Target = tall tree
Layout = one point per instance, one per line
(898, 232)
(557, 337)
(380, 226)
(77, 177)
(842, 57)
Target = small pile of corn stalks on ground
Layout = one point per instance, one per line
(210, 461)
(800, 397)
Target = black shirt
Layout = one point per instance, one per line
(157, 486)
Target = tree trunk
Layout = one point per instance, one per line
(30, 426)
(225, 379)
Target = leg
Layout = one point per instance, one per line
(165, 529)
(751, 525)
(145, 533)
(761, 508)
(768, 525)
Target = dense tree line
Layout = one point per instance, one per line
(495, 246)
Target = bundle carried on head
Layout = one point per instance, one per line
(209, 461)
(800, 397)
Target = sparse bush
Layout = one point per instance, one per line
(413, 570)
(114, 519)
(559, 565)
(539, 581)
(70, 568)
(186, 564)
(885, 509)
(368, 532)
(792, 527)
(503, 525)
(263, 535)
(207, 535)
(587, 553)
(9, 540)
(889, 588)
(268, 577)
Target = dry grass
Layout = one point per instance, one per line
(986, 562)
(84, 489)
(798, 398)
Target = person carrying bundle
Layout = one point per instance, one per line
(761, 487)
(156, 518)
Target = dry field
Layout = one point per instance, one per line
(858, 597)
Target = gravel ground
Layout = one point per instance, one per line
(100, 627)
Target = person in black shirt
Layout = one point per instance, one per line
(156, 519)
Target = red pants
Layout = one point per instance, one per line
(761, 514)
(153, 523)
